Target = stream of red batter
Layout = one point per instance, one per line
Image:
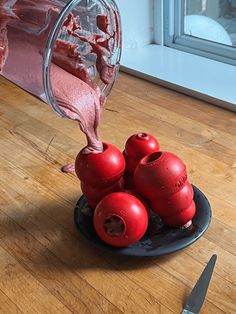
(21, 59)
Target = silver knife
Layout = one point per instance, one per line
(196, 298)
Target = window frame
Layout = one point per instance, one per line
(186, 72)
(174, 37)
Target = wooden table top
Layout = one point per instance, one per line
(46, 266)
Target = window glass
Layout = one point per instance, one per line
(213, 20)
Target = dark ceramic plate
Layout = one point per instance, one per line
(158, 240)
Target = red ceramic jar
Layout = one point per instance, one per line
(120, 219)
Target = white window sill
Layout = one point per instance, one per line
(200, 77)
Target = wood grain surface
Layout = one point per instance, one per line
(47, 267)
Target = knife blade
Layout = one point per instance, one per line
(197, 296)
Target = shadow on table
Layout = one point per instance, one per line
(45, 238)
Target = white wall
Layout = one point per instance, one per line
(137, 22)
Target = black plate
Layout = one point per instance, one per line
(157, 241)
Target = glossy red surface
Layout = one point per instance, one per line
(159, 175)
(134, 193)
(181, 218)
(131, 164)
(120, 219)
(162, 179)
(138, 146)
(174, 203)
(101, 169)
(95, 194)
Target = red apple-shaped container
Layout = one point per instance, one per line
(159, 175)
(120, 219)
